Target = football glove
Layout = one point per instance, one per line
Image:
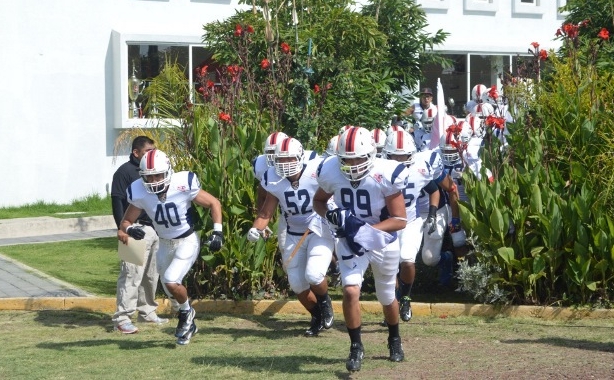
(215, 241)
(136, 232)
(253, 234)
(336, 217)
(430, 223)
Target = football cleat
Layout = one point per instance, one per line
(328, 316)
(186, 319)
(315, 328)
(354, 361)
(185, 339)
(405, 309)
(396, 349)
(126, 328)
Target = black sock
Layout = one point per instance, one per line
(315, 311)
(393, 331)
(355, 335)
(405, 289)
(321, 299)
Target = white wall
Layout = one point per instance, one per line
(58, 93)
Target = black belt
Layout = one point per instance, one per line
(145, 222)
(297, 233)
(185, 234)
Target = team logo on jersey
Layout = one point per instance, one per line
(378, 177)
(182, 188)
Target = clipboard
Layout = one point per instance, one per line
(133, 252)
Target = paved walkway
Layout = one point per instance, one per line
(18, 280)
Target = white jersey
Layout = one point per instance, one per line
(296, 204)
(422, 139)
(260, 166)
(367, 200)
(420, 174)
(432, 158)
(171, 218)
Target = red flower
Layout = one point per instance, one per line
(604, 34)
(210, 84)
(238, 30)
(316, 89)
(203, 70)
(224, 117)
(250, 29)
(329, 86)
(493, 91)
(543, 55)
(285, 48)
(265, 64)
(535, 44)
(495, 122)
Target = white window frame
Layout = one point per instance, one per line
(481, 5)
(120, 43)
(536, 8)
(434, 4)
(561, 3)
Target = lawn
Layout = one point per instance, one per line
(78, 345)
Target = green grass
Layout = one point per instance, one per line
(81, 345)
(92, 205)
(92, 265)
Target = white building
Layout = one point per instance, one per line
(66, 64)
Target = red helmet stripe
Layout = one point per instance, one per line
(274, 138)
(349, 141)
(400, 140)
(429, 112)
(285, 144)
(376, 135)
(150, 159)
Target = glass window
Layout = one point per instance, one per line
(146, 61)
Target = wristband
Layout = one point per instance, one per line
(217, 227)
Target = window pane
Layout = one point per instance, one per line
(453, 80)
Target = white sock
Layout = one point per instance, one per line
(185, 305)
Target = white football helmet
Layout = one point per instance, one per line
(155, 162)
(379, 137)
(478, 93)
(477, 124)
(428, 116)
(345, 128)
(292, 148)
(466, 132)
(331, 148)
(269, 146)
(451, 147)
(356, 142)
(400, 143)
(393, 128)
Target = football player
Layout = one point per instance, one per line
(369, 193)
(291, 184)
(167, 199)
(421, 180)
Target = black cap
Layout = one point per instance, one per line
(426, 90)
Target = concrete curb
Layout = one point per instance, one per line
(47, 225)
(281, 307)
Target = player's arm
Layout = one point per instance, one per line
(320, 200)
(261, 194)
(125, 227)
(266, 212)
(447, 183)
(395, 204)
(207, 200)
